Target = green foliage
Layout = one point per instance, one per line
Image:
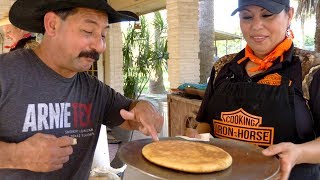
(136, 58)
(228, 47)
(309, 43)
(160, 53)
(159, 24)
(141, 55)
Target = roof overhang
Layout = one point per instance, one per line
(221, 35)
(139, 7)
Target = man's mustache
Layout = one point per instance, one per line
(90, 54)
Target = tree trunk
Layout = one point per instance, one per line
(317, 33)
(156, 80)
(156, 83)
(206, 28)
(302, 33)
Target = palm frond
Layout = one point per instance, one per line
(306, 9)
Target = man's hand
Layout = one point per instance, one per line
(145, 118)
(43, 152)
(289, 155)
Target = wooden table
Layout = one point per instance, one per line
(181, 112)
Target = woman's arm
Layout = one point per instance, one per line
(201, 128)
(291, 154)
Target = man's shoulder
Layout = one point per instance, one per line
(91, 80)
(15, 61)
(14, 54)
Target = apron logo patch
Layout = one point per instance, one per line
(271, 79)
(243, 126)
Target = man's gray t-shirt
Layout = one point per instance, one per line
(35, 99)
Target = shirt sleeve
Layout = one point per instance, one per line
(115, 102)
(202, 114)
(314, 101)
(207, 95)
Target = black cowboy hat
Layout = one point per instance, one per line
(28, 14)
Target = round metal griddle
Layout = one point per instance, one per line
(248, 162)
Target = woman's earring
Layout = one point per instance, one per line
(289, 33)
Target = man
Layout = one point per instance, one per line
(18, 37)
(47, 100)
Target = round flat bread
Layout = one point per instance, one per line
(187, 156)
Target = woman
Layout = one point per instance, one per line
(257, 97)
(20, 38)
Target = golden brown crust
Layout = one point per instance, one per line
(187, 156)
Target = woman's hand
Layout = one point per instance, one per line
(192, 133)
(289, 155)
